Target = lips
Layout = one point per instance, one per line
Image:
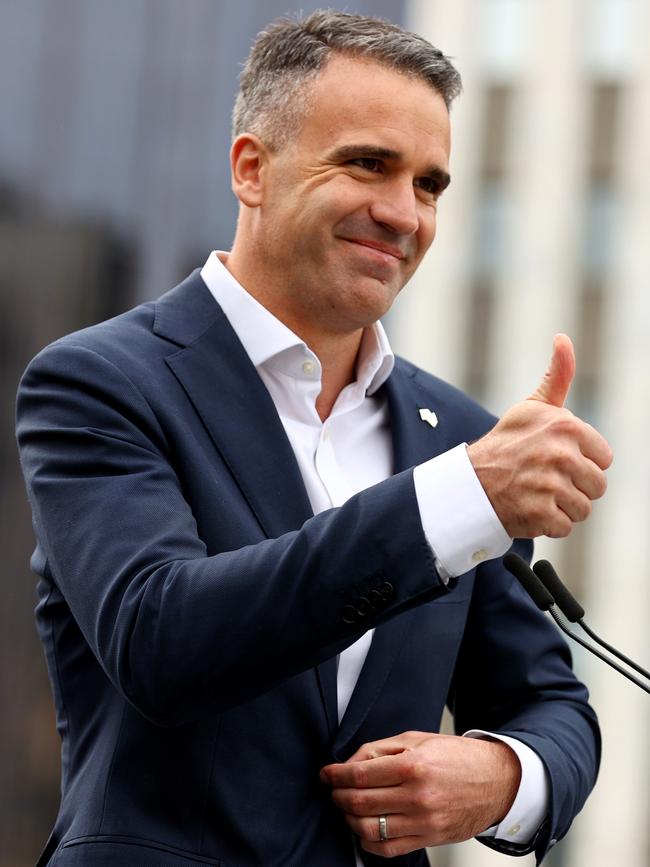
(378, 247)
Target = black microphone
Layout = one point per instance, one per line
(574, 612)
(531, 583)
(540, 595)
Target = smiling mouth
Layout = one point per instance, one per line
(382, 251)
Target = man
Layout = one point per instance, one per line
(254, 609)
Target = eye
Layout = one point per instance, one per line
(370, 164)
(428, 185)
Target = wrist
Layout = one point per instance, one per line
(506, 781)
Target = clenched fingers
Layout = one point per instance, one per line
(374, 802)
(382, 771)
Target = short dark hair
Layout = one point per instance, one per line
(273, 92)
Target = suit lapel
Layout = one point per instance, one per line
(238, 413)
(414, 441)
(240, 416)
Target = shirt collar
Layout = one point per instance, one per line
(269, 343)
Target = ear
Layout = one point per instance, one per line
(248, 157)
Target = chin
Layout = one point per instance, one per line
(371, 303)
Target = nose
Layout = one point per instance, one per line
(395, 207)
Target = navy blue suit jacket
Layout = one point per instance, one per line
(191, 606)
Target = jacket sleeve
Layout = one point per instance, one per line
(514, 677)
(178, 631)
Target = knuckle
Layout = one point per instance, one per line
(436, 826)
(357, 804)
(360, 803)
(415, 769)
(442, 827)
(427, 800)
(359, 776)
(560, 528)
(600, 486)
(565, 423)
(565, 461)
(539, 514)
(584, 509)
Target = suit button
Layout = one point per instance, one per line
(363, 606)
(387, 591)
(350, 614)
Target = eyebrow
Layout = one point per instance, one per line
(350, 151)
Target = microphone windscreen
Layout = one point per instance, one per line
(518, 567)
(569, 606)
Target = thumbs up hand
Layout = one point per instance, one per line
(540, 465)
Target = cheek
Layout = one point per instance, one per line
(427, 231)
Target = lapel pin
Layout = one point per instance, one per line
(428, 416)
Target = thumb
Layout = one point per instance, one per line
(554, 388)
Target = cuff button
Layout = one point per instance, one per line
(363, 606)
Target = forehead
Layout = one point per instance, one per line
(355, 97)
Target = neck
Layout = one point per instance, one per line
(337, 350)
(338, 359)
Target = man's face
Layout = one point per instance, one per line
(349, 208)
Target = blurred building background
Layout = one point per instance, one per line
(114, 184)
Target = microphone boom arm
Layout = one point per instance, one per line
(563, 626)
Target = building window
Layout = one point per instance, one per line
(490, 229)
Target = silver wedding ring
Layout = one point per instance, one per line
(383, 828)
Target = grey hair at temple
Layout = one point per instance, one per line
(285, 59)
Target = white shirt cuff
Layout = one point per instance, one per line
(532, 801)
(457, 517)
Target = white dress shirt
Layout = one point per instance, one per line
(350, 451)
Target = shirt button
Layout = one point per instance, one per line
(480, 555)
(514, 830)
(326, 434)
(308, 368)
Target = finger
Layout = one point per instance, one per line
(557, 524)
(574, 504)
(589, 479)
(367, 827)
(373, 802)
(554, 388)
(383, 771)
(386, 746)
(393, 847)
(595, 447)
